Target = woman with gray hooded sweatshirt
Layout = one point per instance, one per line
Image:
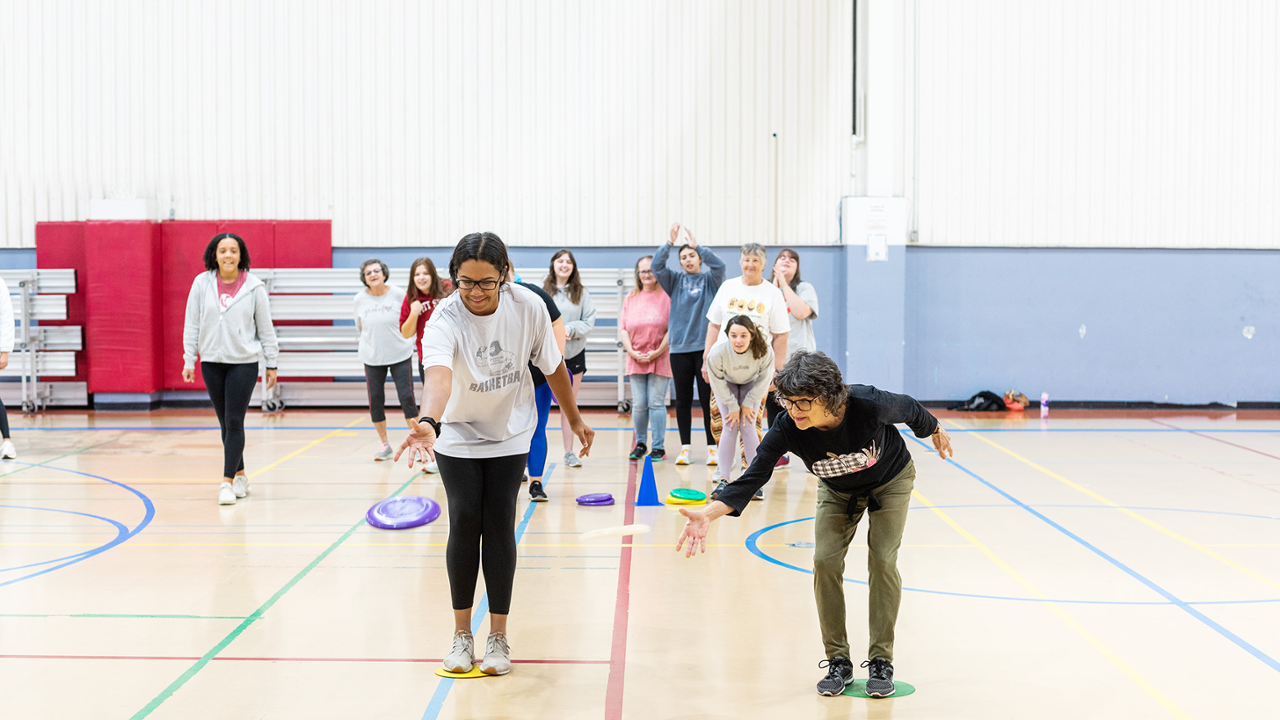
(228, 326)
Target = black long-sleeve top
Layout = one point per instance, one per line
(864, 452)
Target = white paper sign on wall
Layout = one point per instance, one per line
(877, 248)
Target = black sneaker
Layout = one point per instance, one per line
(839, 676)
(535, 492)
(638, 452)
(658, 455)
(719, 488)
(759, 494)
(880, 684)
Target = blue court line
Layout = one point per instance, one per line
(146, 520)
(121, 531)
(1240, 642)
(482, 608)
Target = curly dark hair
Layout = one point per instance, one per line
(211, 251)
(483, 247)
(814, 375)
(386, 273)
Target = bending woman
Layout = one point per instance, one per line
(383, 348)
(740, 372)
(479, 418)
(228, 325)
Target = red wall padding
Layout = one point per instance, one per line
(304, 244)
(123, 296)
(60, 245)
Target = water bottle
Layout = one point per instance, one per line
(1044, 404)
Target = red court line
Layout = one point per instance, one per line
(284, 659)
(618, 654)
(1210, 437)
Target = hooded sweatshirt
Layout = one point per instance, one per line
(236, 334)
(6, 318)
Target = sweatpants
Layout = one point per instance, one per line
(230, 386)
(375, 380)
(482, 526)
(686, 370)
(832, 534)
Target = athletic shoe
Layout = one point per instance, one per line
(571, 460)
(638, 451)
(719, 488)
(497, 655)
(384, 453)
(658, 455)
(7, 450)
(716, 476)
(461, 658)
(759, 494)
(880, 684)
(430, 468)
(240, 485)
(226, 496)
(839, 676)
(535, 492)
(525, 479)
(683, 458)
(711, 459)
(783, 461)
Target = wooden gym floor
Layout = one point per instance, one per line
(1097, 565)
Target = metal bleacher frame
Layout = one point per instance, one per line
(41, 351)
(330, 351)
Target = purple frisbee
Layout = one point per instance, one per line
(593, 498)
(598, 503)
(399, 513)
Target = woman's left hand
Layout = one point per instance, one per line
(942, 443)
(748, 416)
(271, 378)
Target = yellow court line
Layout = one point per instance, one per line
(1145, 521)
(304, 448)
(1071, 622)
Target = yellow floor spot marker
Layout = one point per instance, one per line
(1057, 610)
(1136, 516)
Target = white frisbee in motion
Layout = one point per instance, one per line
(618, 531)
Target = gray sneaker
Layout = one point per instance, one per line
(461, 659)
(839, 676)
(571, 460)
(497, 655)
(880, 682)
(384, 453)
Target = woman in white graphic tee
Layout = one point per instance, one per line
(478, 420)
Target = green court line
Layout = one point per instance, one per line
(252, 618)
(127, 616)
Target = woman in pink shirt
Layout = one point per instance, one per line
(643, 330)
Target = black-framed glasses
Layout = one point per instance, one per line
(468, 284)
(801, 404)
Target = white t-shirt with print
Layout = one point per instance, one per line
(491, 412)
(762, 303)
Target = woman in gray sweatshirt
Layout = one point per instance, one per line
(228, 326)
(564, 285)
(740, 371)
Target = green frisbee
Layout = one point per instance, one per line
(858, 688)
(688, 494)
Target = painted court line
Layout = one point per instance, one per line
(1220, 440)
(228, 658)
(621, 613)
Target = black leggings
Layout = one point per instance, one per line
(375, 380)
(230, 387)
(686, 368)
(4, 421)
(482, 496)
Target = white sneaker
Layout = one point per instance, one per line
(716, 476)
(497, 655)
(226, 496)
(571, 460)
(7, 450)
(461, 659)
(683, 458)
(384, 453)
(430, 467)
(711, 459)
(240, 485)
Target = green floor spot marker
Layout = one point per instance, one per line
(688, 494)
(859, 689)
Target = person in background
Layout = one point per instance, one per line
(642, 328)
(425, 292)
(564, 284)
(802, 310)
(691, 291)
(227, 327)
(536, 465)
(740, 372)
(383, 348)
(7, 449)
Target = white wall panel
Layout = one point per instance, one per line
(1135, 123)
(413, 122)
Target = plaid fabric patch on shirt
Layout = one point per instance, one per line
(839, 465)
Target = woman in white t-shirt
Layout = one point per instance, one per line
(476, 351)
(383, 348)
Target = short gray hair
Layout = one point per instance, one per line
(755, 249)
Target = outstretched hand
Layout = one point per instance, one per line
(696, 525)
(422, 437)
(585, 435)
(942, 443)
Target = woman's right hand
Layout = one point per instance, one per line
(696, 525)
(416, 307)
(706, 378)
(421, 438)
(188, 375)
(675, 233)
(730, 420)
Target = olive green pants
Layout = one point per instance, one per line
(832, 536)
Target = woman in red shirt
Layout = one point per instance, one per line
(425, 291)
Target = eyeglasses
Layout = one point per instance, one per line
(372, 271)
(468, 284)
(646, 272)
(801, 404)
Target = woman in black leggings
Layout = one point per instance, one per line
(228, 326)
(478, 398)
(383, 348)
